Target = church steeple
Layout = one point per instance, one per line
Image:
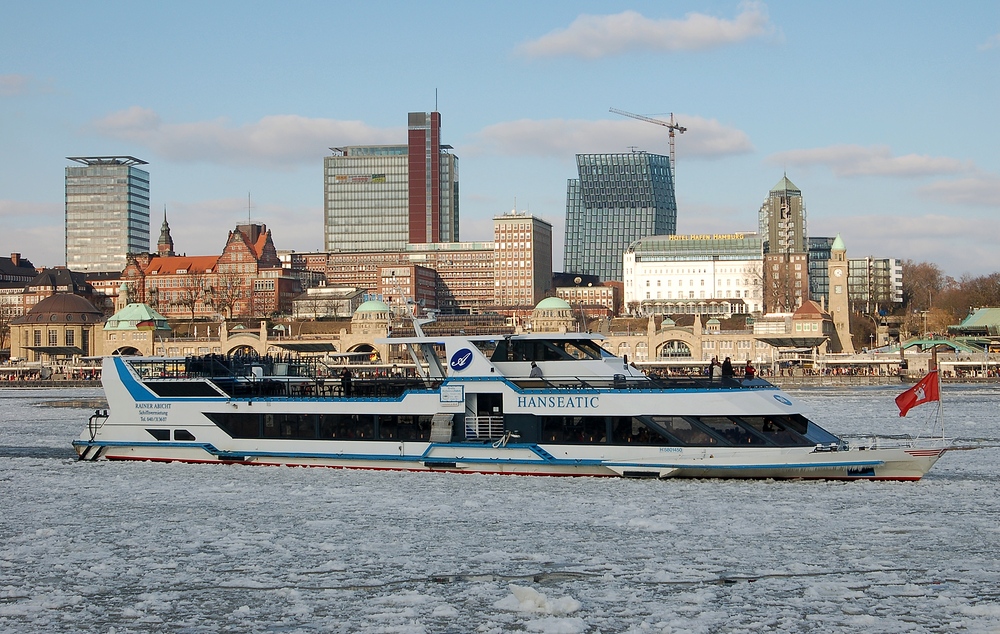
(165, 245)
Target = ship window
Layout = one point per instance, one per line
(501, 353)
(547, 350)
(731, 430)
(633, 431)
(404, 427)
(237, 425)
(813, 432)
(685, 430)
(347, 426)
(290, 425)
(159, 434)
(581, 349)
(776, 429)
(587, 430)
(183, 434)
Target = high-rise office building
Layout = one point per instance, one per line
(522, 267)
(782, 224)
(107, 212)
(383, 197)
(617, 199)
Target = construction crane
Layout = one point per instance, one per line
(669, 125)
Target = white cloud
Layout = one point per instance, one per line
(857, 160)
(700, 217)
(273, 141)
(922, 238)
(563, 138)
(595, 36)
(992, 42)
(29, 213)
(34, 230)
(982, 190)
(200, 227)
(12, 85)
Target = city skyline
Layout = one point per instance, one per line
(881, 114)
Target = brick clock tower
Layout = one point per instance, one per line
(839, 306)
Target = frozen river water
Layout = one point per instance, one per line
(148, 547)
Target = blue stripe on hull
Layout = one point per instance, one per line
(544, 458)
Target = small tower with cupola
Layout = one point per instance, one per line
(839, 304)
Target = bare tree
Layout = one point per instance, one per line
(192, 292)
(921, 282)
(5, 319)
(153, 298)
(227, 291)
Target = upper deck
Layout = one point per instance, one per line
(309, 377)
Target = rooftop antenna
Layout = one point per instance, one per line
(248, 207)
(435, 100)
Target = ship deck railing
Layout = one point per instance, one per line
(277, 377)
(620, 382)
(483, 427)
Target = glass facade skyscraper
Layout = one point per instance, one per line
(383, 197)
(617, 199)
(367, 201)
(107, 212)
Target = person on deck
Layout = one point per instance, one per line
(715, 369)
(345, 381)
(749, 372)
(727, 368)
(536, 372)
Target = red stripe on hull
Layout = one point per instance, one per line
(481, 472)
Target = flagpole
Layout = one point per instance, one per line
(940, 403)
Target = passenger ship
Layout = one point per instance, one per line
(474, 406)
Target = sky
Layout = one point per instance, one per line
(883, 114)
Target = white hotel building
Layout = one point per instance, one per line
(709, 274)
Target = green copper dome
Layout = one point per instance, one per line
(373, 306)
(553, 303)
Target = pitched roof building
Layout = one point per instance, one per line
(245, 280)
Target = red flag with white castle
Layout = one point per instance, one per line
(926, 390)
